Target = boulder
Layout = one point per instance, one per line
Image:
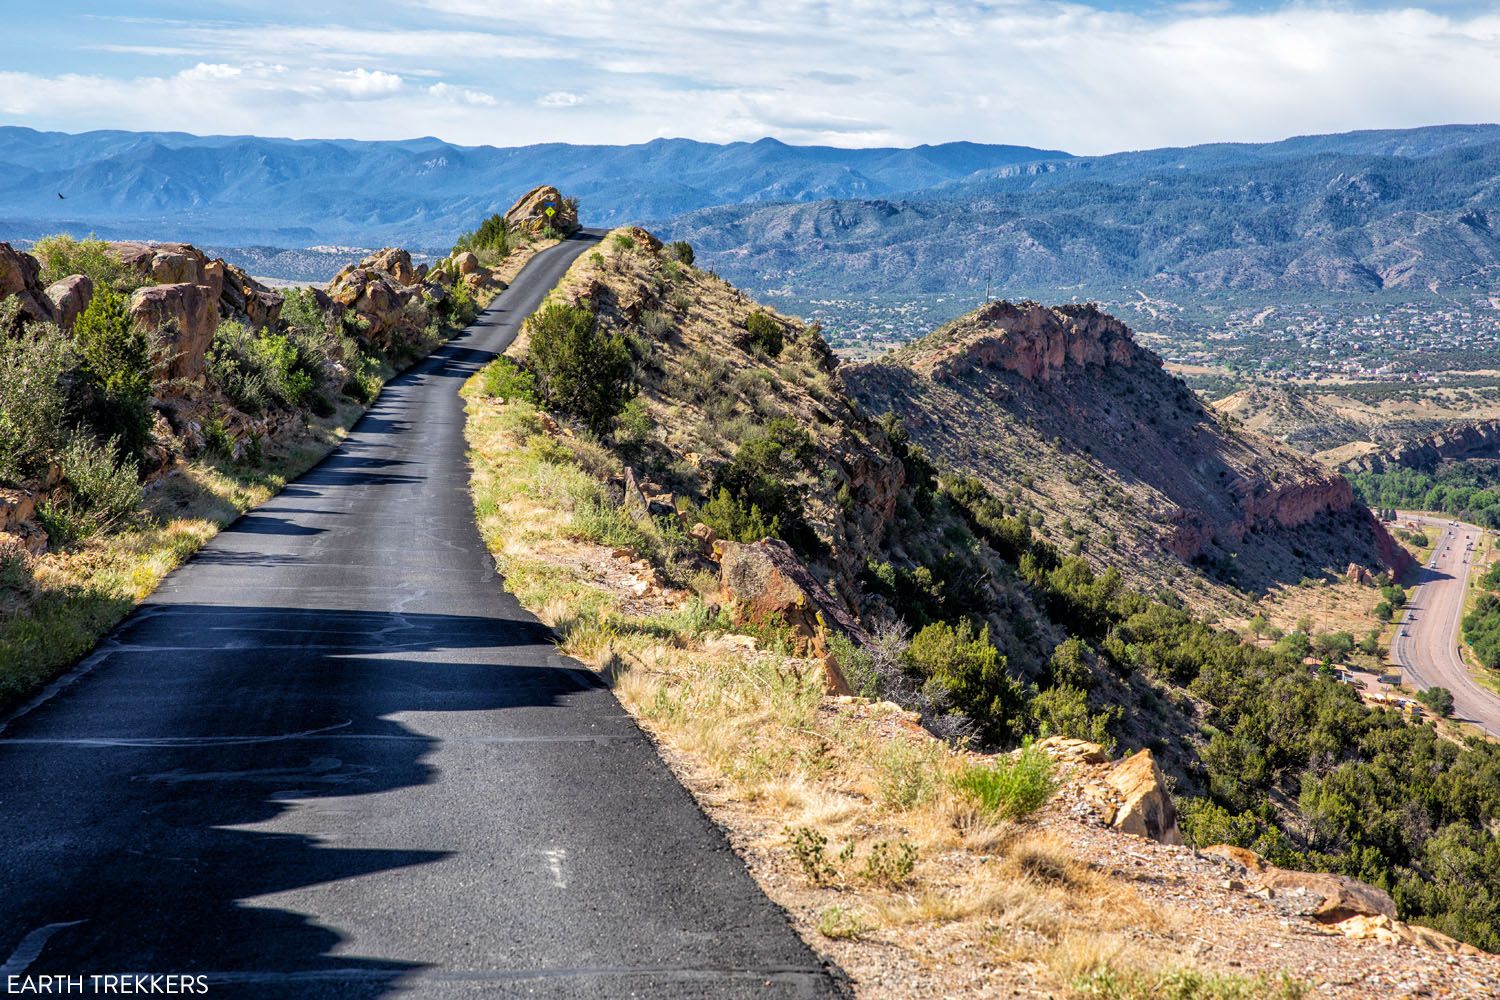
(185, 315)
(1134, 800)
(1342, 897)
(70, 297)
(764, 582)
(20, 276)
(394, 263)
(245, 299)
(466, 263)
(1067, 750)
(1386, 930)
(529, 213)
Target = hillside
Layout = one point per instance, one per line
(1343, 424)
(1083, 434)
(240, 191)
(1324, 215)
(791, 593)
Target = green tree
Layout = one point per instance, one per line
(116, 360)
(580, 370)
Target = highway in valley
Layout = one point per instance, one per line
(1426, 645)
(332, 757)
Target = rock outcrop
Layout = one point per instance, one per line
(530, 214)
(1034, 341)
(1064, 412)
(69, 298)
(20, 276)
(1480, 439)
(185, 316)
(764, 583)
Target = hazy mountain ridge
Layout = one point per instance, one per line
(1330, 223)
(421, 192)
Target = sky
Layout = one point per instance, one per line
(1084, 78)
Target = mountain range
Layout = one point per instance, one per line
(248, 190)
(1413, 211)
(1353, 213)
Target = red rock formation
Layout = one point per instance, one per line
(1035, 341)
(186, 315)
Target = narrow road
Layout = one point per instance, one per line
(331, 757)
(1426, 643)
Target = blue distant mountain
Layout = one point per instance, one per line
(242, 190)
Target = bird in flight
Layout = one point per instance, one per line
(60, 196)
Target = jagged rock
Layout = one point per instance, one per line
(1037, 342)
(70, 297)
(394, 262)
(1073, 751)
(1341, 898)
(529, 213)
(1387, 930)
(466, 263)
(1133, 799)
(16, 506)
(375, 297)
(246, 299)
(20, 276)
(186, 316)
(765, 582)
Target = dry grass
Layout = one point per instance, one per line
(824, 798)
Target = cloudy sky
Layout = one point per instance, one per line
(1088, 78)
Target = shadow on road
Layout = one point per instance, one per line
(165, 847)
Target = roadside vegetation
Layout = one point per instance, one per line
(977, 620)
(1467, 491)
(86, 421)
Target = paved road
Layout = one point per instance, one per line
(331, 757)
(1427, 652)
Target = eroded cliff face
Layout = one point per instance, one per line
(1037, 343)
(1061, 411)
(1475, 440)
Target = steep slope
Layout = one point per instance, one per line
(1080, 429)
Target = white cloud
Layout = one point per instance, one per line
(464, 95)
(846, 72)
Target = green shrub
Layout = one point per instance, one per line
(33, 400)
(103, 487)
(507, 381)
(579, 370)
(763, 332)
(633, 424)
(624, 241)
(1063, 710)
(840, 923)
(908, 773)
(1011, 787)
(114, 400)
(763, 476)
(889, 865)
(681, 251)
(62, 256)
(233, 367)
(1439, 699)
(491, 242)
(963, 670)
(732, 519)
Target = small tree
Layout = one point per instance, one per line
(764, 332)
(579, 370)
(1439, 699)
(116, 358)
(681, 250)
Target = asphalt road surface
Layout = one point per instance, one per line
(1426, 644)
(331, 757)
